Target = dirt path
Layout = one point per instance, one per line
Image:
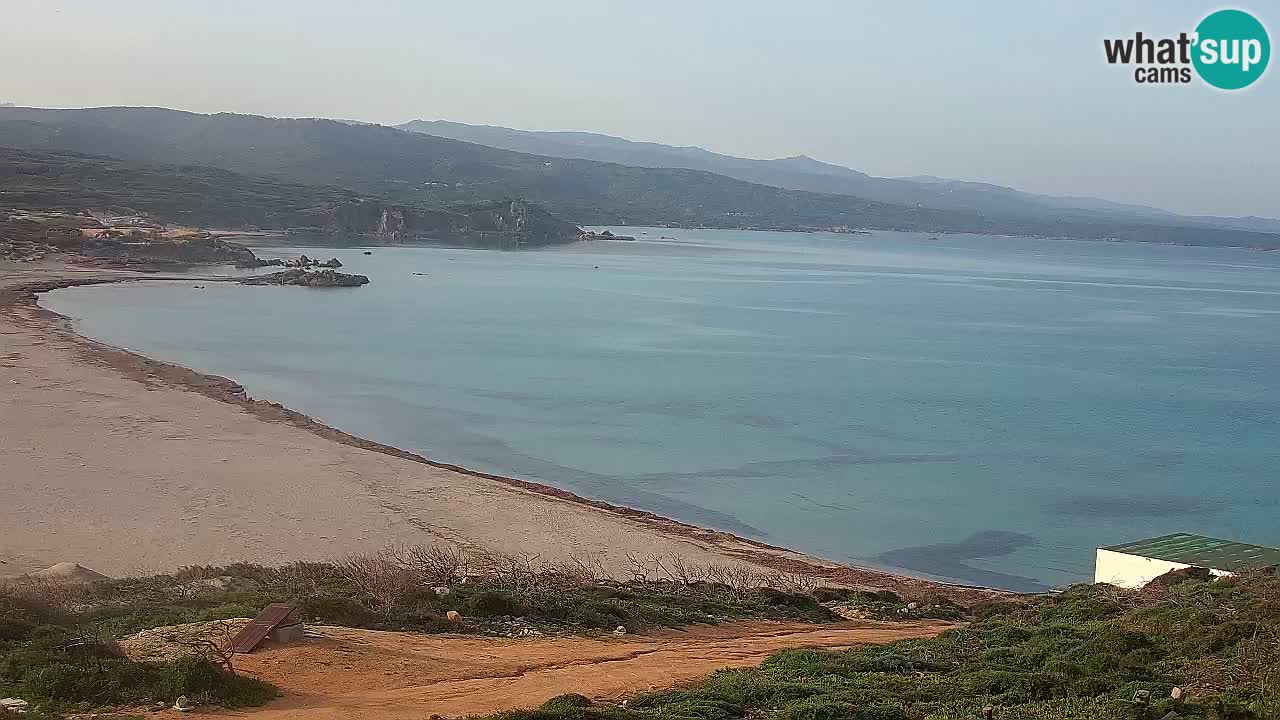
(356, 674)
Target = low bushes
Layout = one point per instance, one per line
(1092, 653)
(58, 661)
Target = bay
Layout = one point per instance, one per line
(980, 409)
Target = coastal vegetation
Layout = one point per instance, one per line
(426, 174)
(1187, 646)
(61, 650)
(202, 196)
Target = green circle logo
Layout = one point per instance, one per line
(1232, 49)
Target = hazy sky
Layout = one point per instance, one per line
(1015, 93)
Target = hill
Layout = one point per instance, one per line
(805, 173)
(203, 196)
(422, 170)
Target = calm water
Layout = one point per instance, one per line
(981, 409)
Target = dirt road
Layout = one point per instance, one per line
(358, 674)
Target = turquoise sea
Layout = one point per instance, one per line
(981, 409)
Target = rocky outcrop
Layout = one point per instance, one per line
(505, 224)
(257, 262)
(605, 235)
(194, 250)
(327, 278)
(300, 262)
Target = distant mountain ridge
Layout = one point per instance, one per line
(805, 173)
(415, 170)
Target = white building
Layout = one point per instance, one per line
(1135, 564)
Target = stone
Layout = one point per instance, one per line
(912, 606)
(620, 630)
(182, 704)
(288, 633)
(441, 591)
(326, 278)
(1177, 693)
(13, 705)
(454, 616)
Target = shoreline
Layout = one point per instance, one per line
(19, 303)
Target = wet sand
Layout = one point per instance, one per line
(129, 465)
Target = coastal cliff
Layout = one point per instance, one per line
(504, 224)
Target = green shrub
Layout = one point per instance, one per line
(825, 709)
(1081, 654)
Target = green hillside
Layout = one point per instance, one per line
(203, 196)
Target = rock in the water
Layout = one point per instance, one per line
(308, 278)
(257, 262)
(331, 263)
(69, 573)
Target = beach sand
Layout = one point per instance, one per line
(128, 465)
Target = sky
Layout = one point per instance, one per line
(1013, 93)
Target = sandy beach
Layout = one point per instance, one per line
(128, 465)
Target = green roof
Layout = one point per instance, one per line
(1202, 551)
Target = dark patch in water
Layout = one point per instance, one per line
(689, 410)
(767, 422)
(1133, 506)
(949, 560)
(814, 466)
(404, 423)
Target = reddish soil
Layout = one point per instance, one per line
(361, 674)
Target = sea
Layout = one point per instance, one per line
(978, 409)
